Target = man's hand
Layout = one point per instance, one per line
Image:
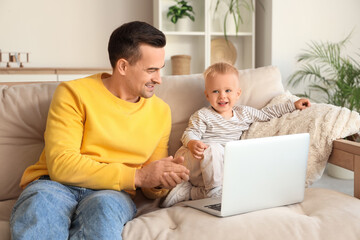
(197, 148)
(302, 103)
(167, 173)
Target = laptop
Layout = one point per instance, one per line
(260, 173)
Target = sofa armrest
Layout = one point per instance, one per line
(346, 154)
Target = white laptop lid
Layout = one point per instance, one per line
(264, 172)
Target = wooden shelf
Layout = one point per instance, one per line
(53, 70)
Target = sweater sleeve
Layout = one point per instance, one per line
(63, 138)
(195, 129)
(160, 152)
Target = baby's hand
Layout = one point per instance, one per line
(302, 103)
(197, 148)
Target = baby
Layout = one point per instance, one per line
(210, 128)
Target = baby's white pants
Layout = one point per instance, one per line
(206, 174)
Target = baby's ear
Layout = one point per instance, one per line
(239, 92)
(206, 95)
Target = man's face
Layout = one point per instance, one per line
(143, 75)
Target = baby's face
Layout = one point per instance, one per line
(222, 92)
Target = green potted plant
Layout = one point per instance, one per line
(332, 77)
(180, 10)
(233, 12)
(335, 78)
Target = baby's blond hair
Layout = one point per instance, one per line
(220, 68)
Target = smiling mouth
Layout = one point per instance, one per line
(150, 86)
(222, 103)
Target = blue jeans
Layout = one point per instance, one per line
(49, 210)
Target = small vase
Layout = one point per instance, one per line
(183, 25)
(180, 64)
(219, 20)
(230, 25)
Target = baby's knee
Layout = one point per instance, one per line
(214, 148)
(189, 160)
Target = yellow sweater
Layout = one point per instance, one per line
(96, 140)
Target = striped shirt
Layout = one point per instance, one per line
(210, 127)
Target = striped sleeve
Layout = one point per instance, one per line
(267, 113)
(195, 129)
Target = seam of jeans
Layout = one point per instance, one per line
(80, 233)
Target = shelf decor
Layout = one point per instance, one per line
(233, 13)
(180, 64)
(180, 14)
(14, 58)
(222, 51)
(197, 42)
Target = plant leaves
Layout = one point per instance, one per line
(324, 68)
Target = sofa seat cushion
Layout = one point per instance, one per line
(324, 214)
(5, 213)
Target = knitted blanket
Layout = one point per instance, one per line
(324, 122)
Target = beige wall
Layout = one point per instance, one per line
(285, 27)
(74, 33)
(66, 33)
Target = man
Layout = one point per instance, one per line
(105, 136)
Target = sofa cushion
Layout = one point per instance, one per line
(5, 212)
(23, 113)
(259, 86)
(185, 95)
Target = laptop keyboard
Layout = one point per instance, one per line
(216, 206)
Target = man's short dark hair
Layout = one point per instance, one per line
(125, 40)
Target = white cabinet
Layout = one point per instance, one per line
(198, 42)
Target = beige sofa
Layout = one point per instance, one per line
(324, 214)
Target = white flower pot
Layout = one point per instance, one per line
(183, 25)
(230, 25)
(339, 172)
